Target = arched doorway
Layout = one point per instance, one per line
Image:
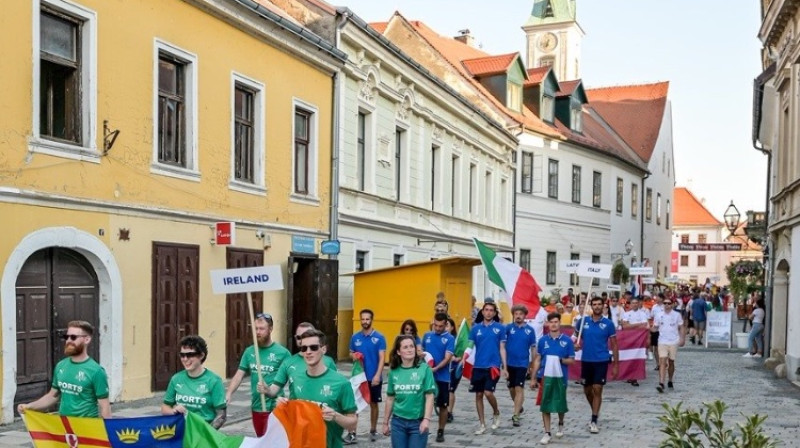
(55, 286)
(779, 308)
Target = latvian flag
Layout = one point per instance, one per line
(632, 346)
(358, 380)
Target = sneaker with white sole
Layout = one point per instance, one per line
(747, 355)
(756, 355)
(593, 428)
(496, 421)
(560, 431)
(545, 440)
(350, 438)
(481, 430)
(649, 356)
(373, 436)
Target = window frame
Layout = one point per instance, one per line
(552, 178)
(87, 149)
(576, 183)
(648, 205)
(574, 280)
(634, 200)
(597, 189)
(548, 109)
(526, 187)
(550, 263)
(311, 196)
(701, 261)
(364, 256)
(400, 145)
(514, 96)
(702, 238)
(620, 195)
(525, 259)
(684, 238)
(595, 260)
(257, 88)
(684, 261)
(658, 209)
(189, 60)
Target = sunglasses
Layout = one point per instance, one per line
(189, 354)
(72, 337)
(264, 316)
(312, 347)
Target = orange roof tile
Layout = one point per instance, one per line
(536, 75)
(489, 65)
(565, 88)
(635, 112)
(689, 211)
(379, 26)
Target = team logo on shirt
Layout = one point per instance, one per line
(513, 331)
(202, 388)
(358, 342)
(414, 376)
(428, 340)
(81, 376)
(178, 385)
(272, 357)
(496, 330)
(326, 391)
(479, 332)
(444, 340)
(374, 340)
(562, 343)
(527, 331)
(602, 326)
(546, 345)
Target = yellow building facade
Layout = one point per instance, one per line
(224, 112)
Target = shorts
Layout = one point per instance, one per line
(654, 339)
(482, 381)
(443, 397)
(375, 393)
(516, 376)
(668, 350)
(700, 325)
(594, 372)
(454, 382)
(260, 420)
(690, 324)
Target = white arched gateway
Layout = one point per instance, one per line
(109, 323)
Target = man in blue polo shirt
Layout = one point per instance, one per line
(489, 337)
(597, 334)
(372, 347)
(520, 349)
(441, 345)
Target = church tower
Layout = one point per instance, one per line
(553, 38)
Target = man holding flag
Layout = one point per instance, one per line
(489, 338)
(371, 345)
(554, 353)
(441, 345)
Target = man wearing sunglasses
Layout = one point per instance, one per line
(271, 355)
(78, 380)
(319, 384)
(670, 337)
(296, 364)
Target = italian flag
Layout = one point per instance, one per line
(465, 350)
(297, 423)
(518, 284)
(358, 380)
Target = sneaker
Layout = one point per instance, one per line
(496, 421)
(521, 409)
(440, 436)
(449, 417)
(656, 367)
(560, 431)
(593, 428)
(660, 388)
(350, 439)
(373, 436)
(669, 385)
(545, 439)
(747, 355)
(757, 355)
(691, 338)
(649, 356)
(515, 420)
(481, 430)
(635, 383)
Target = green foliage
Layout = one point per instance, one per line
(687, 428)
(620, 273)
(745, 276)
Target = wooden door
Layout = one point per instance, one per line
(175, 301)
(238, 333)
(313, 295)
(54, 287)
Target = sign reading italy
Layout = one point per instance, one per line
(595, 270)
(260, 278)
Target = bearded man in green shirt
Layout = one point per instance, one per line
(78, 380)
(271, 356)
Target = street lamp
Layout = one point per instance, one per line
(732, 217)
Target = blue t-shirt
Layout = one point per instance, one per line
(699, 310)
(595, 338)
(519, 340)
(487, 339)
(561, 346)
(438, 345)
(370, 346)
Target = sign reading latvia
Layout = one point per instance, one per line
(260, 278)
(647, 270)
(594, 270)
(570, 266)
(225, 233)
(710, 246)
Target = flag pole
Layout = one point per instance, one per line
(583, 312)
(255, 347)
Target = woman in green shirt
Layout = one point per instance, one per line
(409, 401)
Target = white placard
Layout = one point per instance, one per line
(614, 287)
(570, 266)
(649, 280)
(594, 270)
(718, 328)
(260, 278)
(647, 270)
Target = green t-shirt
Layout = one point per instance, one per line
(331, 389)
(296, 364)
(271, 358)
(203, 395)
(81, 384)
(408, 386)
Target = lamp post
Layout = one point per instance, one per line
(732, 217)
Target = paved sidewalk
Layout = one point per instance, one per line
(629, 414)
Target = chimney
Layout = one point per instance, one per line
(465, 37)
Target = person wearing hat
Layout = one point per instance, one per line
(271, 355)
(201, 390)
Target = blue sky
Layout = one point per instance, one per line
(707, 50)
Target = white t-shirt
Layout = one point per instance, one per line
(758, 316)
(636, 317)
(669, 327)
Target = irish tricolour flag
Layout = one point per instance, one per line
(358, 380)
(518, 284)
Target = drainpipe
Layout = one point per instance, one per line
(770, 264)
(641, 219)
(341, 21)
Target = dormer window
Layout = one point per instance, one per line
(548, 10)
(514, 96)
(548, 108)
(576, 119)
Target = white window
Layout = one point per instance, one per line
(548, 109)
(175, 151)
(247, 135)
(576, 119)
(64, 80)
(305, 163)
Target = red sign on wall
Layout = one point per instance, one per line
(225, 233)
(674, 262)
